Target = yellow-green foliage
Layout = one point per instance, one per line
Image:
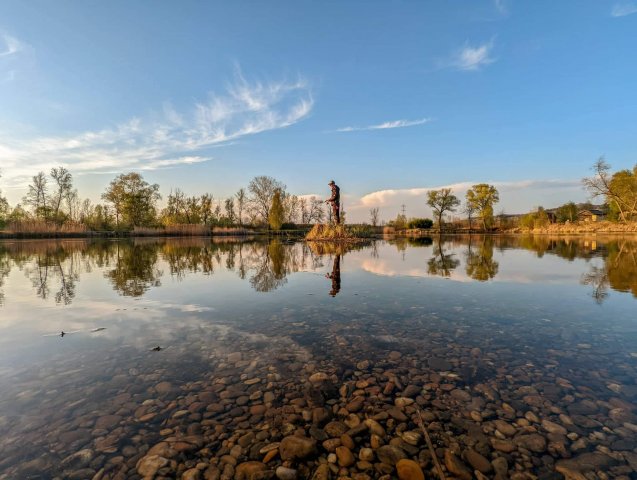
(329, 232)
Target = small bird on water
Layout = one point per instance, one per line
(156, 349)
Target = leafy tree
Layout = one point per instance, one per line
(567, 212)
(537, 219)
(262, 190)
(134, 199)
(619, 189)
(442, 201)
(276, 214)
(373, 216)
(482, 197)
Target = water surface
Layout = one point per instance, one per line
(105, 346)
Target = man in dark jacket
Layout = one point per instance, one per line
(335, 201)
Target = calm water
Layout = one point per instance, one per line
(485, 330)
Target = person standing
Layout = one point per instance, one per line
(335, 201)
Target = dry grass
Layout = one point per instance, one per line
(231, 231)
(329, 233)
(580, 228)
(43, 228)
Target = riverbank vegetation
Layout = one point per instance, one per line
(131, 206)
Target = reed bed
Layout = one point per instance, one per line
(41, 228)
(329, 233)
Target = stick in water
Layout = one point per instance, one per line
(421, 424)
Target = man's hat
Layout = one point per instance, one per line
(331, 182)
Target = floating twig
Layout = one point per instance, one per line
(421, 424)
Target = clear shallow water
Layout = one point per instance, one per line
(475, 330)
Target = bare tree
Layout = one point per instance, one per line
(36, 196)
(317, 213)
(262, 191)
(63, 187)
(241, 203)
(305, 213)
(373, 216)
(470, 209)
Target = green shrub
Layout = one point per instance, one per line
(424, 223)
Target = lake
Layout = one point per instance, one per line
(202, 358)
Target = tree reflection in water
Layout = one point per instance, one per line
(134, 266)
(479, 263)
(442, 263)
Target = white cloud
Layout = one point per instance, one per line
(515, 197)
(387, 125)
(172, 139)
(9, 45)
(623, 9)
(471, 58)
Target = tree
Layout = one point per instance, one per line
(470, 210)
(276, 214)
(442, 201)
(619, 189)
(63, 184)
(373, 216)
(133, 198)
(229, 207)
(291, 205)
(482, 197)
(4, 209)
(36, 196)
(317, 212)
(305, 213)
(241, 203)
(567, 212)
(262, 190)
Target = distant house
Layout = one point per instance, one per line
(592, 215)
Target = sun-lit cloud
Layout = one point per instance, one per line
(623, 9)
(386, 125)
(166, 140)
(472, 58)
(515, 197)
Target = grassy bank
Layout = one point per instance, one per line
(579, 228)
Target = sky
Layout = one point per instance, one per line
(389, 99)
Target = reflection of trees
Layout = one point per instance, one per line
(135, 269)
(598, 279)
(5, 268)
(442, 263)
(480, 264)
(271, 271)
(619, 271)
(56, 265)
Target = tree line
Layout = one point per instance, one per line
(130, 201)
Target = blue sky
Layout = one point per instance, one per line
(388, 98)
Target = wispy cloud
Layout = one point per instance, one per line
(386, 125)
(9, 45)
(172, 138)
(623, 9)
(502, 6)
(472, 58)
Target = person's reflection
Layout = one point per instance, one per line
(335, 276)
